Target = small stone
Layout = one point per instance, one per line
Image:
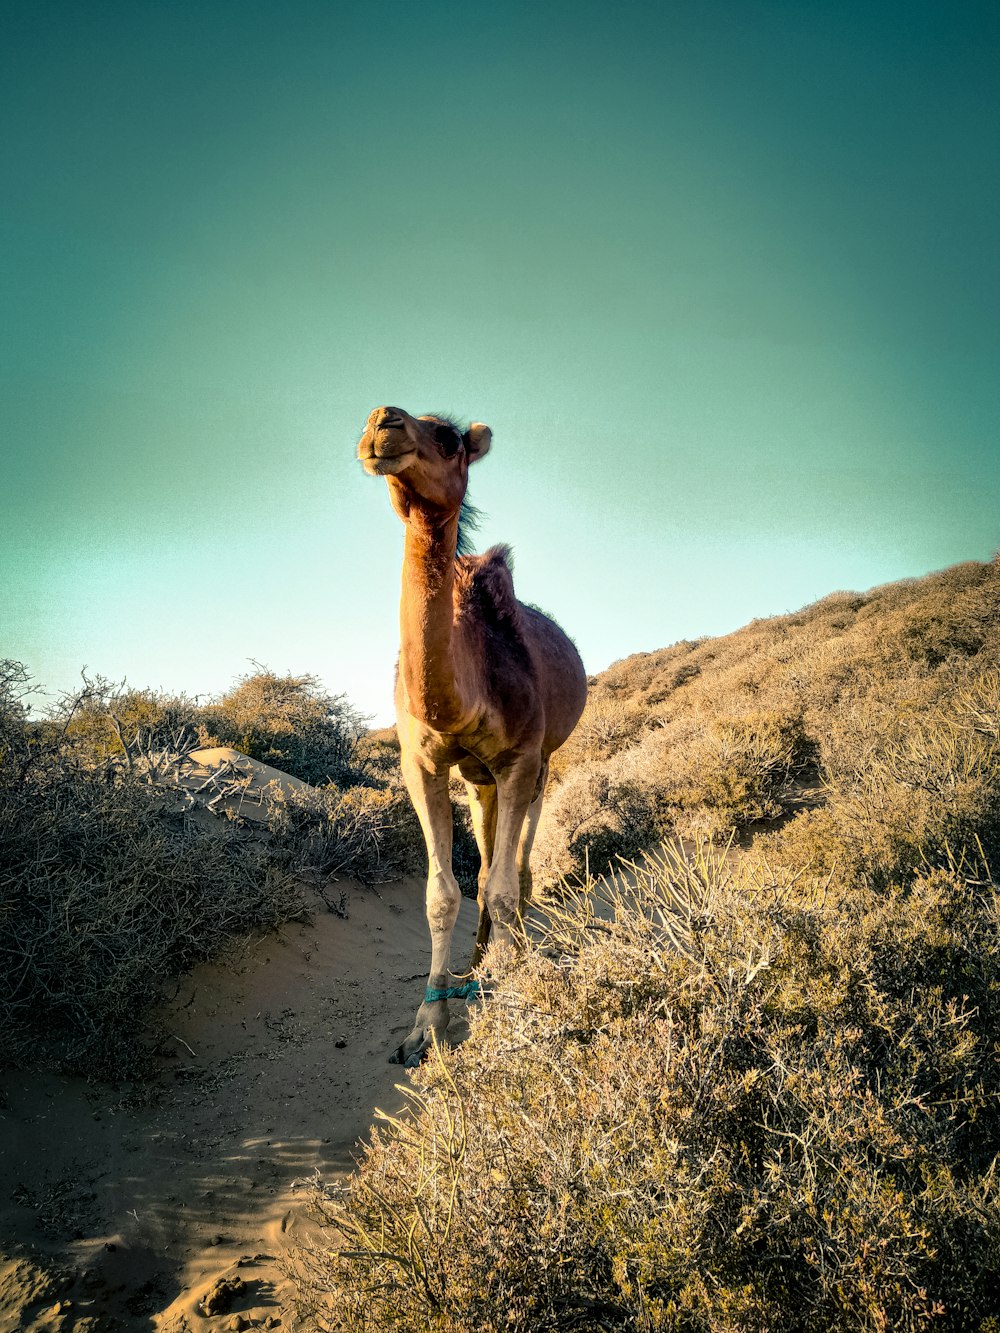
(238, 1323)
(340, 1043)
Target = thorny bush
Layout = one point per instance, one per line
(112, 882)
(107, 889)
(711, 1100)
(829, 706)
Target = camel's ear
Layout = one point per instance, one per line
(477, 441)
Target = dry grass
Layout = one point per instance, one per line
(725, 1101)
(707, 738)
(739, 1093)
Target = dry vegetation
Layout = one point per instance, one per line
(708, 738)
(751, 1092)
(741, 1093)
(730, 1103)
(110, 885)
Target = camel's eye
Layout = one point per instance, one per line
(448, 438)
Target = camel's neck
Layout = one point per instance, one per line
(426, 618)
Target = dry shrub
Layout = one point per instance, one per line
(108, 888)
(593, 816)
(609, 724)
(377, 754)
(723, 733)
(104, 895)
(292, 723)
(734, 768)
(729, 1099)
(691, 776)
(107, 721)
(713, 1104)
(919, 790)
(369, 831)
(370, 834)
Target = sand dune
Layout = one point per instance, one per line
(222, 778)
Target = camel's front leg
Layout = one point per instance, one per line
(429, 792)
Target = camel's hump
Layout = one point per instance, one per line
(485, 587)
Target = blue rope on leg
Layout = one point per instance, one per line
(463, 992)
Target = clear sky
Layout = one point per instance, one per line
(723, 277)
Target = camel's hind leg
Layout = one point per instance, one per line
(483, 808)
(527, 839)
(517, 790)
(429, 792)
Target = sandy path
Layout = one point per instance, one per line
(145, 1196)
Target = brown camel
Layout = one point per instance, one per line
(483, 682)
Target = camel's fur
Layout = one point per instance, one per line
(484, 682)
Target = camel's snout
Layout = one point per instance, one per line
(384, 454)
(384, 417)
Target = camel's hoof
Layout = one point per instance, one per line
(410, 1054)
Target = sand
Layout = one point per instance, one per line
(123, 1207)
(221, 779)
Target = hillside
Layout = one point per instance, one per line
(708, 738)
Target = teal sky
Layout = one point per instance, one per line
(724, 279)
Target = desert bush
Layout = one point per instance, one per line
(729, 1098)
(107, 888)
(691, 776)
(735, 767)
(370, 834)
(105, 892)
(724, 733)
(292, 723)
(109, 721)
(921, 788)
(593, 816)
(368, 830)
(16, 737)
(716, 1101)
(377, 754)
(609, 724)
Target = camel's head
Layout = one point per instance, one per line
(422, 458)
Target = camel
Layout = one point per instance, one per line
(483, 682)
